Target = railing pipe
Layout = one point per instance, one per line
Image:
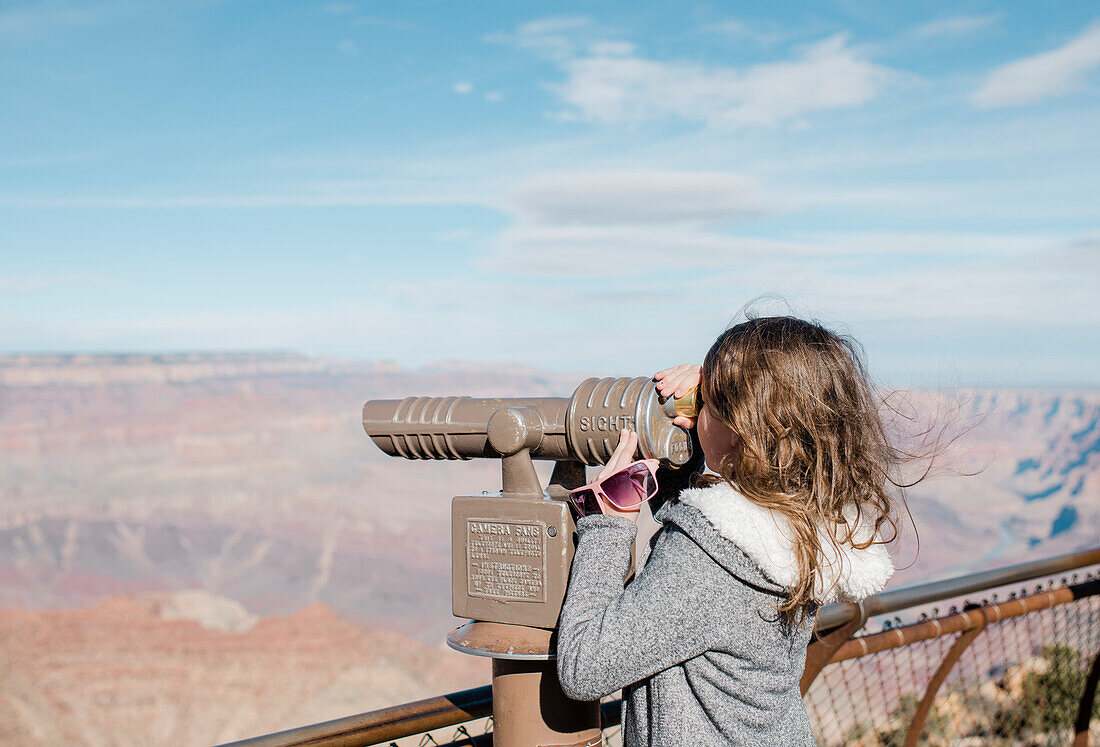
(385, 724)
(833, 615)
(963, 621)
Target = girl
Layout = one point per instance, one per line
(708, 641)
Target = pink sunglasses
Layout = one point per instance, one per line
(628, 488)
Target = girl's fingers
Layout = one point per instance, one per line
(678, 386)
(623, 454)
(684, 421)
(668, 384)
(678, 380)
(666, 372)
(687, 381)
(686, 387)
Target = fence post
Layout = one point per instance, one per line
(1084, 711)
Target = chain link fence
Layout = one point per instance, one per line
(1019, 682)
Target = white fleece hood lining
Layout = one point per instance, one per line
(767, 538)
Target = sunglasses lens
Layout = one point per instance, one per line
(631, 487)
(585, 502)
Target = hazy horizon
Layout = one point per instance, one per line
(471, 364)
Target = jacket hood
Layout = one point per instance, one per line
(715, 513)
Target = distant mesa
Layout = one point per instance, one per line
(139, 359)
(92, 369)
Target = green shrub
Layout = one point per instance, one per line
(1050, 700)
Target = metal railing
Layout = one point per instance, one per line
(1022, 669)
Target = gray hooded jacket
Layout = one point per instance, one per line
(694, 640)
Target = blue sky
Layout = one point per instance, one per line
(577, 186)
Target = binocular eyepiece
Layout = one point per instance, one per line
(582, 428)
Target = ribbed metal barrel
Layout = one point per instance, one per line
(458, 427)
(598, 410)
(583, 428)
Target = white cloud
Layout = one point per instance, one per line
(30, 20)
(962, 295)
(613, 251)
(27, 284)
(1054, 73)
(333, 194)
(551, 37)
(682, 287)
(348, 48)
(607, 80)
(1080, 256)
(463, 87)
(542, 27)
(611, 49)
(640, 196)
(453, 234)
(955, 26)
(22, 22)
(626, 223)
(494, 97)
(827, 75)
(756, 33)
(957, 246)
(300, 329)
(619, 251)
(387, 23)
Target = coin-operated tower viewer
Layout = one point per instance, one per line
(511, 551)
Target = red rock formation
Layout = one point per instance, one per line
(120, 673)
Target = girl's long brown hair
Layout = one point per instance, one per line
(813, 445)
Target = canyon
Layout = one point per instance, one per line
(199, 547)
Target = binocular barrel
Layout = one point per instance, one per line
(583, 428)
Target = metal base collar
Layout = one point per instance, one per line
(501, 641)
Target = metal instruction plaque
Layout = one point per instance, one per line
(510, 558)
(506, 560)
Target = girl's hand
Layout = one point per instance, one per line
(622, 456)
(676, 382)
